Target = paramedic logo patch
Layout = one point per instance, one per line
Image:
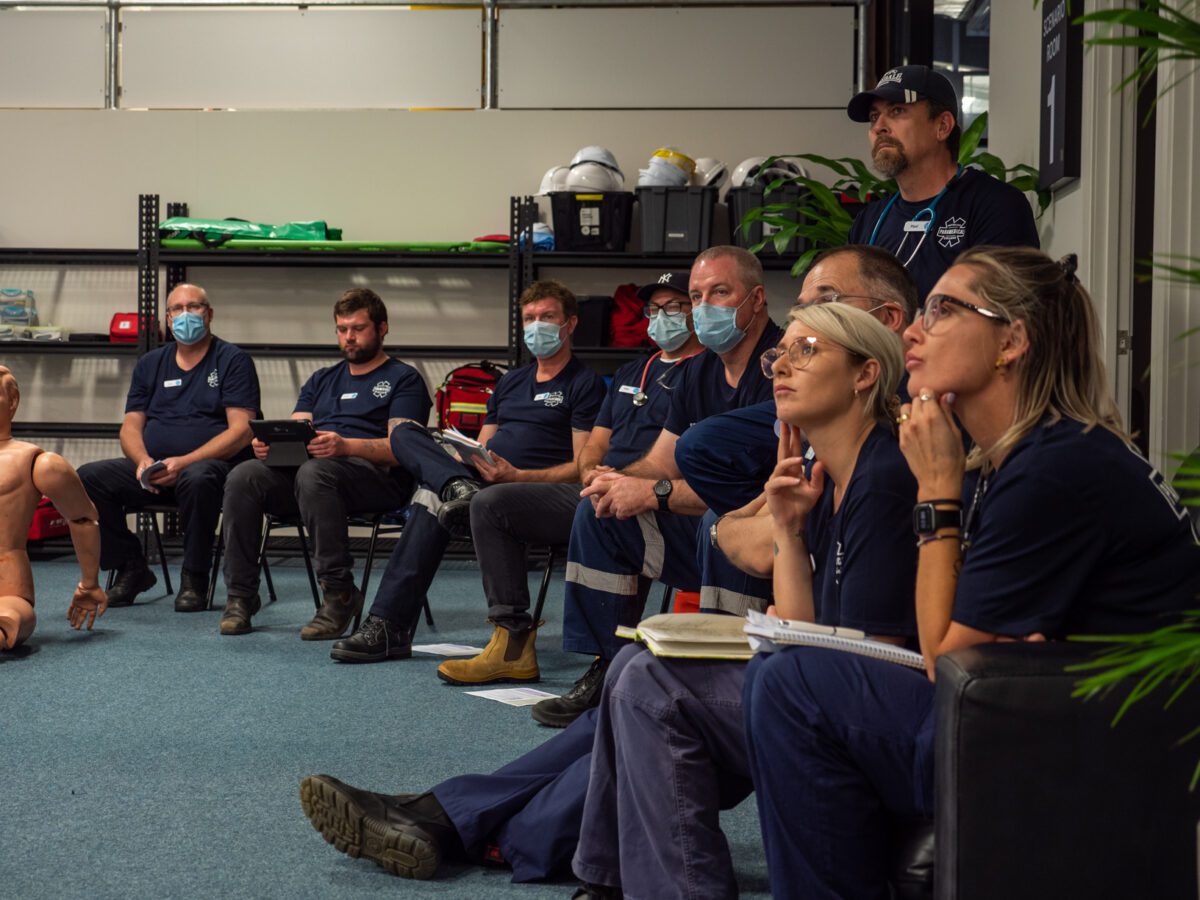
(553, 399)
(213, 379)
(381, 389)
(952, 232)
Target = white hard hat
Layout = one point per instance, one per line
(679, 160)
(591, 176)
(553, 179)
(709, 172)
(743, 172)
(594, 153)
(660, 173)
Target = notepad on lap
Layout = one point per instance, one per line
(767, 633)
(468, 449)
(692, 636)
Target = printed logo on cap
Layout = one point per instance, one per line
(892, 76)
(952, 232)
(381, 389)
(665, 279)
(213, 379)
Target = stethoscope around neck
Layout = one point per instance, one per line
(641, 398)
(916, 223)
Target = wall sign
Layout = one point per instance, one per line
(1062, 95)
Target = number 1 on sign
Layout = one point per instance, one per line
(1050, 103)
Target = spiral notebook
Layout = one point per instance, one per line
(768, 633)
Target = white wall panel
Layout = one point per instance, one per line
(682, 58)
(315, 58)
(52, 58)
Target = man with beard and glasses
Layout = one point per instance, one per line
(941, 208)
(354, 406)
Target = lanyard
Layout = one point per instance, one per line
(641, 397)
(973, 511)
(915, 220)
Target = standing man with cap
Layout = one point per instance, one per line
(189, 407)
(941, 208)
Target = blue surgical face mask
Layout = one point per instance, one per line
(669, 332)
(543, 338)
(716, 326)
(188, 327)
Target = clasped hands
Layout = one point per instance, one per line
(615, 494)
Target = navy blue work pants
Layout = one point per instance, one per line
(838, 744)
(723, 586)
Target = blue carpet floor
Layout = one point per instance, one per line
(155, 758)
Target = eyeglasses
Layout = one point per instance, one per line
(935, 310)
(180, 308)
(671, 308)
(799, 354)
(835, 297)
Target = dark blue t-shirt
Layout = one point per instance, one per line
(185, 410)
(359, 406)
(976, 209)
(865, 555)
(536, 419)
(1075, 533)
(636, 428)
(701, 390)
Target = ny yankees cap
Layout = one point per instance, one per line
(905, 84)
(672, 281)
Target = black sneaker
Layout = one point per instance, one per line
(130, 582)
(559, 712)
(407, 835)
(455, 512)
(376, 640)
(193, 592)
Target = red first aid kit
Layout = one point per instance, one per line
(47, 522)
(463, 397)
(123, 328)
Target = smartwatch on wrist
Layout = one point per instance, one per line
(662, 490)
(927, 519)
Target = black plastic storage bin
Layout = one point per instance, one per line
(743, 199)
(594, 313)
(585, 222)
(676, 219)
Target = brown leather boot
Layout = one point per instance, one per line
(337, 611)
(509, 656)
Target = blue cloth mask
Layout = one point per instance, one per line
(669, 332)
(188, 327)
(543, 338)
(716, 326)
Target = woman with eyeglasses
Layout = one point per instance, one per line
(669, 752)
(1052, 525)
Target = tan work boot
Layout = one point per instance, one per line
(507, 657)
(337, 611)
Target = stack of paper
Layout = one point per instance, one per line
(768, 632)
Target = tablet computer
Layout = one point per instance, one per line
(287, 438)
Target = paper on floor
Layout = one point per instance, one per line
(513, 696)
(447, 649)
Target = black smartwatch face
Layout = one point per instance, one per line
(927, 519)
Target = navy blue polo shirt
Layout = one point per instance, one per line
(535, 419)
(701, 390)
(976, 209)
(359, 406)
(865, 555)
(636, 428)
(185, 410)
(1075, 533)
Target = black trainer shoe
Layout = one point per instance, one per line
(376, 640)
(455, 512)
(407, 835)
(130, 581)
(559, 712)
(238, 610)
(193, 592)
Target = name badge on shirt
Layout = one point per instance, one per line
(174, 382)
(921, 225)
(628, 389)
(349, 396)
(542, 396)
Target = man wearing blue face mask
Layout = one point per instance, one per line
(641, 523)
(189, 407)
(538, 421)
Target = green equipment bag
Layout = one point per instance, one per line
(215, 232)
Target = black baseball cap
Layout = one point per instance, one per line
(671, 281)
(905, 84)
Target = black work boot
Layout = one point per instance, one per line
(337, 611)
(238, 611)
(455, 512)
(588, 891)
(407, 834)
(559, 712)
(132, 578)
(193, 592)
(376, 640)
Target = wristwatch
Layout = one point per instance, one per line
(927, 519)
(662, 490)
(712, 533)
